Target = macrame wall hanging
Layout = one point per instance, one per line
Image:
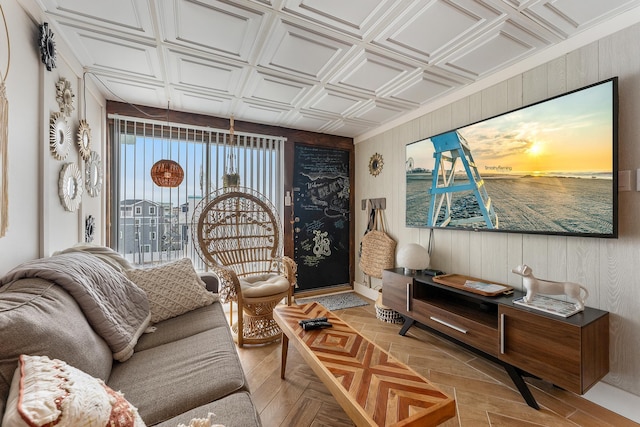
(4, 138)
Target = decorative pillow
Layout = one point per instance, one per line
(50, 392)
(201, 422)
(172, 289)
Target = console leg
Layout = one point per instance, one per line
(408, 322)
(517, 379)
(285, 349)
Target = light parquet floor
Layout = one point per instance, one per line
(485, 396)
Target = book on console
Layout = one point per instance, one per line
(550, 305)
(484, 286)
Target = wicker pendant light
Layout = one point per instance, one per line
(167, 173)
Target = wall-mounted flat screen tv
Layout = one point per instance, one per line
(547, 168)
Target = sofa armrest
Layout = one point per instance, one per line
(210, 280)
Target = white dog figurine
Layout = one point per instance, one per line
(534, 286)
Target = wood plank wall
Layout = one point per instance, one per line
(607, 267)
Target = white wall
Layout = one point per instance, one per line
(38, 223)
(23, 88)
(607, 267)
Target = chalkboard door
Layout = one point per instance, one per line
(321, 209)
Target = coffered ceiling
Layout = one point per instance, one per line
(342, 67)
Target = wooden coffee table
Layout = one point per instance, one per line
(372, 387)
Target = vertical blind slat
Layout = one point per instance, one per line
(153, 223)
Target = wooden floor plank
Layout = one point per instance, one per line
(484, 393)
(303, 413)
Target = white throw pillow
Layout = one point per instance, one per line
(48, 391)
(201, 422)
(172, 289)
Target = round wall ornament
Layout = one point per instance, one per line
(59, 136)
(70, 187)
(89, 228)
(84, 140)
(375, 164)
(93, 174)
(65, 96)
(47, 47)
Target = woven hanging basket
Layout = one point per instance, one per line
(378, 251)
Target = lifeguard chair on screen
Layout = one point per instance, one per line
(449, 148)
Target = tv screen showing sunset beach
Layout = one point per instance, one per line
(547, 169)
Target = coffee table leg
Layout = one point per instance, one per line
(285, 348)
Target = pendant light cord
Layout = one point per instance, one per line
(6, 29)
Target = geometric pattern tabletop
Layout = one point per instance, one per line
(373, 387)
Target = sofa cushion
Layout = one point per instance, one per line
(235, 410)
(169, 379)
(40, 318)
(48, 391)
(172, 289)
(190, 323)
(262, 285)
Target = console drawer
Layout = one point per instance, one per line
(463, 329)
(571, 356)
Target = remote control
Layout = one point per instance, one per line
(432, 272)
(317, 319)
(316, 325)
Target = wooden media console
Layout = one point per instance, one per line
(571, 353)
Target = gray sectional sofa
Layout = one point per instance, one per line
(185, 367)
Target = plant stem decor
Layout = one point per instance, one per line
(231, 177)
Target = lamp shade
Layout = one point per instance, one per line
(412, 256)
(167, 173)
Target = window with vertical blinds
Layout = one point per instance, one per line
(151, 224)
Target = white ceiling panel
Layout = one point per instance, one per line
(568, 16)
(332, 102)
(134, 91)
(199, 102)
(259, 113)
(376, 112)
(425, 30)
(212, 26)
(270, 88)
(347, 127)
(114, 54)
(371, 73)
(128, 16)
(307, 121)
(333, 66)
(354, 17)
(423, 88)
(520, 3)
(309, 54)
(195, 72)
(497, 49)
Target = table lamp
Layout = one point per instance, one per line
(412, 257)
